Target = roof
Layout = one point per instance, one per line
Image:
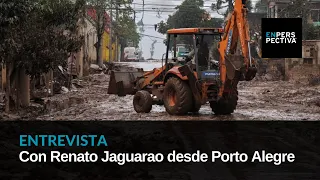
(194, 30)
(91, 12)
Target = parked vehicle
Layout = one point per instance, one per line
(130, 54)
(182, 52)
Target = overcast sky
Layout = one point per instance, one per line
(151, 18)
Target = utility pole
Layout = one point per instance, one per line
(117, 16)
(110, 33)
(304, 21)
(304, 26)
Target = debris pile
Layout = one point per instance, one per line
(314, 80)
(270, 70)
(94, 68)
(304, 73)
(271, 75)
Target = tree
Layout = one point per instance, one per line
(182, 19)
(12, 14)
(313, 32)
(220, 5)
(100, 7)
(125, 27)
(261, 6)
(37, 36)
(45, 36)
(302, 9)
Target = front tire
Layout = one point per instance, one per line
(142, 102)
(177, 97)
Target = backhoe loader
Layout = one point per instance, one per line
(183, 86)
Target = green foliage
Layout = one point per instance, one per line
(261, 6)
(182, 18)
(301, 8)
(43, 34)
(12, 14)
(126, 29)
(101, 6)
(312, 32)
(249, 5)
(228, 5)
(189, 14)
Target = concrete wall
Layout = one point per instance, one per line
(87, 53)
(91, 40)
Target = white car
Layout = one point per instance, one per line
(130, 54)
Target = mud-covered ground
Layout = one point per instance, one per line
(272, 100)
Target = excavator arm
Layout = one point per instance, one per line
(236, 33)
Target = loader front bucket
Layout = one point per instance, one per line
(122, 83)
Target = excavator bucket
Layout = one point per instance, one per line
(233, 64)
(123, 83)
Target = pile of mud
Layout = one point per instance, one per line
(270, 75)
(90, 88)
(271, 70)
(304, 73)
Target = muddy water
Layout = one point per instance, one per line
(277, 100)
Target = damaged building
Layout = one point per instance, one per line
(306, 67)
(309, 65)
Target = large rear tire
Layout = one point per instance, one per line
(142, 102)
(177, 97)
(226, 105)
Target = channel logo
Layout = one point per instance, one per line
(281, 38)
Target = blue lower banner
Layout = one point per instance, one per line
(187, 150)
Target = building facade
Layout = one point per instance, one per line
(309, 64)
(106, 38)
(277, 9)
(88, 53)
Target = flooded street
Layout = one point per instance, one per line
(272, 100)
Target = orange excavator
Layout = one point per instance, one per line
(183, 86)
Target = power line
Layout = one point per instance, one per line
(205, 1)
(210, 1)
(163, 11)
(172, 5)
(166, 7)
(151, 36)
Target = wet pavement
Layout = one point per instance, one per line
(273, 100)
